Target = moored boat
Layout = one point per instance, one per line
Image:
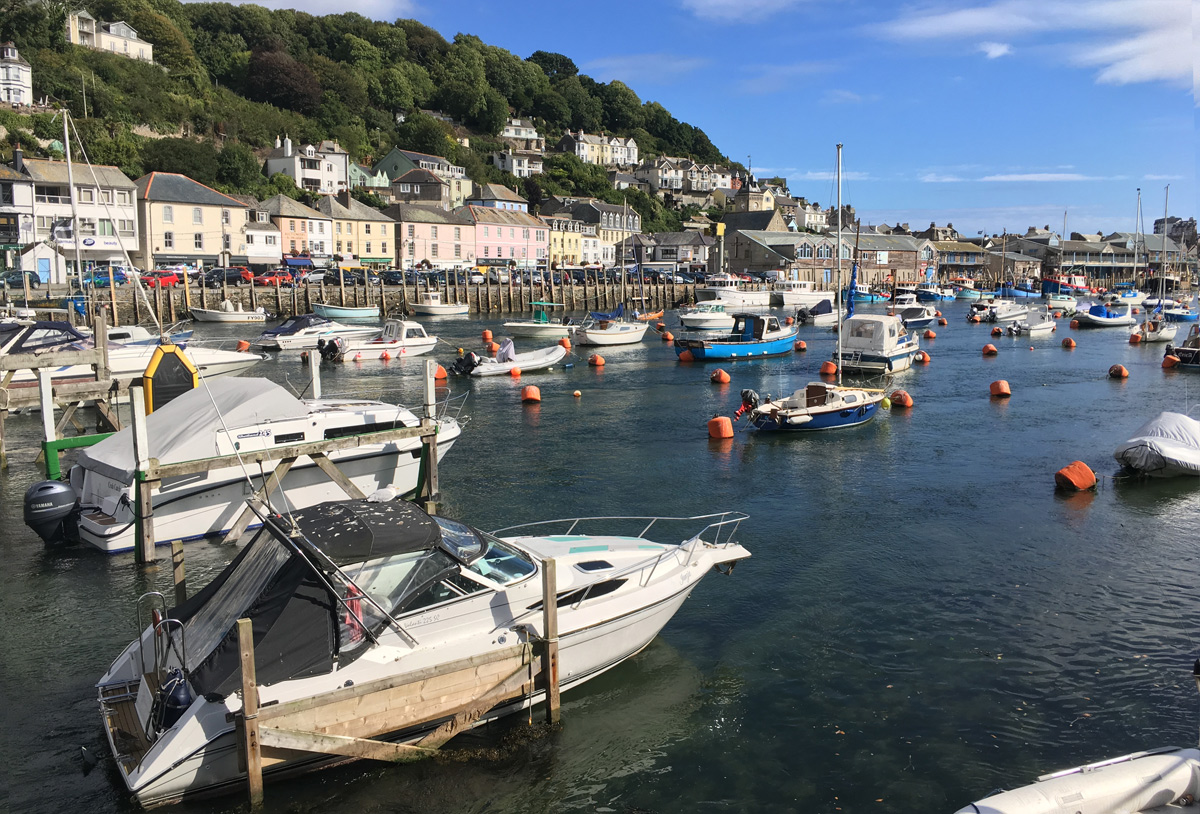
(732, 291)
(1036, 323)
(331, 311)
(1154, 329)
(1188, 352)
(1166, 446)
(932, 292)
(430, 303)
(229, 313)
(400, 338)
(306, 330)
(1102, 315)
(706, 316)
(541, 326)
(506, 359)
(1060, 301)
(875, 343)
(609, 329)
(753, 336)
(861, 292)
(920, 316)
(798, 294)
(816, 406)
(821, 314)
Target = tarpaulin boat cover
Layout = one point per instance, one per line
(294, 615)
(1166, 446)
(186, 429)
(600, 316)
(295, 325)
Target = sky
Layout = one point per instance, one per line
(989, 115)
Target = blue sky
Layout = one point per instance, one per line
(991, 115)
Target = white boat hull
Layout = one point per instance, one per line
(800, 299)
(536, 330)
(530, 360)
(616, 333)
(130, 363)
(439, 310)
(229, 317)
(308, 340)
(705, 321)
(754, 299)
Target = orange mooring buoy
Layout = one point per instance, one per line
(659, 326)
(243, 345)
(720, 426)
(921, 358)
(801, 346)
(566, 343)
(1169, 361)
(577, 394)
(487, 335)
(901, 398)
(385, 356)
(1075, 477)
(515, 372)
(828, 368)
(718, 376)
(1058, 314)
(1136, 311)
(1135, 339)
(1118, 372)
(1074, 323)
(440, 373)
(667, 336)
(493, 347)
(990, 350)
(943, 321)
(997, 331)
(937, 313)
(1068, 343)
(687, 356)
(1001, 389)
(789, 321)
(929, 334)
(596, 360)
(530, 393)
(973, 318)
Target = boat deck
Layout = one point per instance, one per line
(118, 704)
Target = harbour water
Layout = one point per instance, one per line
(924, 619)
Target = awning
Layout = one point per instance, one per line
(297, 261)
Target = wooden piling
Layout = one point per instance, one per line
(248, 720)
(550, 639)
(144, 500)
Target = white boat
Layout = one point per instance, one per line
(243, 414)
(731, 291)
(816, 406)
(821, 315)
(1060, 302)
(359, 312)
(609, 329)
(1106, 316)
(140, 335)
(1164, 447)
(506, 359)
(374, 595)
(400, 338)
(1124, 295)
(1037, 323)
(876, 343)
(124, 361)
(229, 312)
(430, 303)
(306, 330)
(904, 299)
(706, 316)
(1157, 781)
(915, 316)
(798, 294)
(541, 326)
(1006, 311)
(1155, 330)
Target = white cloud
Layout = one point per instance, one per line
(1145, 41)
(735, 10)
(1046, 177)
(643, 69)
(841, 97)
(937, 178)
(1162, 177)
(995, 50)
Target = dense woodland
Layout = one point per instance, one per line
(228, 79)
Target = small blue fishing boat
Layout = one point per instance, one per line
(753, 336)
(1015, 292)
(816, 406)
(932, 292)
(331, 311)
(861, 292)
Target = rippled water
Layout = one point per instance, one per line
(924, 619)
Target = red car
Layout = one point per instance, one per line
(273, 277)
(161, 279)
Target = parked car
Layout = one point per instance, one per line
(99, 278)
(217, 277)
(476, 278)
(275, 277)
(16, 279)
(161, 279)
(396, 277)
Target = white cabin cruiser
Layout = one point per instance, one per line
(876, 343)
(798, 294)
(1037, 323)
(541, 326)
(429, 303)
(219, 417)
(351, 600)
(609, 329)
(707, 316)
(307, 330)
(400, 338)
(731, 291)
(229, 312)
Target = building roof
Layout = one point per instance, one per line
(249, 200)
(498, 192)
(7, 173)
(885, 243)
(357, 210)
(505, 217)
(415, 156)
(415, 213)
(17, 60)
(748, 221)
(281, 206)
(419, 176)
(954, 246)
(690, 238)
(44, 171)
(175, 188)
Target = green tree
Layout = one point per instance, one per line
(195, 159)
(555, 66)
(238, 168)
(622, 107)
(424, 134)
(276, 78)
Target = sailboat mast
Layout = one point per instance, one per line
(75, 231)
(1163, 256)
(839, 264)
(1137, 235)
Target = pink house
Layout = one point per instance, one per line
(507, 237)
(431, 235)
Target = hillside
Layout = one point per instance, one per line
(228, 79)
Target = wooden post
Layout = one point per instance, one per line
(100, 337)
(177, 572)
(253, 296)
(314, 372)
(171, 304)
(3, 448)
(143, 502)
(158, 309)
(249, 717)
(550, 638)
(187, 294)
(278, 298)
(112, 297)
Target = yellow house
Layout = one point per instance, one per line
(183, 221)
(360, 233)
(566, 240)
(116, 38)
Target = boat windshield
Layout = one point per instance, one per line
(482, 553)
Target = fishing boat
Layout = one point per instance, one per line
(706, 316)
(1036, 323)
(875, 343)
(1123, 294)
(861, 292)
(965, 288)
(1074, 284)
(1101, 315)
(753, 336)
(932, 292)
(400, 338)
(1005, 311)
(609, 329)
(1157, 781)
(304, 331)
(230, 313)
(331, 311)
(124, 361)
(1015, 291)
(1060, 302)
(1166, 446)
(798, 294)
(1188, 353)
(429, 303)
(1180, 312)
(732, 291)
(920, 316)
(1154, 329)
(541, 326)
(506, 359)
(376, 595)
(821, 315)
(816, 406)
(218, 419)
(904, 299)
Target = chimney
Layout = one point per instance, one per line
(343, 197)
(18, 158)
(277, 144)
(287, 147)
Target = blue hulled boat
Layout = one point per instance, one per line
(753, 336)
(861, 292)
(817, 406)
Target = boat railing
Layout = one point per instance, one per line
(154, 606)
(722, 524)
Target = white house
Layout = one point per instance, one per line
(116, 38)
(321, 170)
(257, 237)
(16, 77)
(521, 163)
(16, 216)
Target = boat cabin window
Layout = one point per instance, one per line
(484, 554)
(850, 398)
(892, 331)
(414, 333)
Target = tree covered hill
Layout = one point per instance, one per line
(229, 78)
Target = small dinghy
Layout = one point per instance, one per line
(1164, 447)
(921, 316)
(1039, 323)
(1155, 330)
(1106, 316)
(472, 364)
(820, 314)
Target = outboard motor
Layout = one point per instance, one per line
(332, 350)
(465, 364)
(749, 403)
(51, 510)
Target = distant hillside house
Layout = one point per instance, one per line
(16, 77)
(397, 162)
(521, 163)
(602, 150)
(184, 221)
(498, 196)
(421, 187)
(521, 135)
(116, 38)
(320, 170)
(360, 176)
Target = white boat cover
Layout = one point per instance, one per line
(1166, 446)
(185, 429)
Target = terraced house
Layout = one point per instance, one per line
(183, 221)
(303, 231)
(360, 232)
(430, 235)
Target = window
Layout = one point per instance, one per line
(350, 246)
(368, 248)
(293, 247)
(405, 188)
(383, 247)
(249, 240)
(125, 228)
(123, 197)
(197, 215)
(366, 228)
(304, 226)
(412, 249)
(85, 194)
(168, 240)
(485, 231)
(433, 233)
(458, 233)
(457, 250)
(168, 214)
(225, 241)
(805, 251)
(106, 195)
(270, 240)
(106, 227)
(512, 234)
(433, 249)
(225, 216)
(337, 228)
(512, 252)
(525, 234)
(338, 246)
(261, 217)
(87, 226)
(291, 225)
(411, 230)
(321, 227)
(487, 251)
(198, 241)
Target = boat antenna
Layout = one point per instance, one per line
(839, 264)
